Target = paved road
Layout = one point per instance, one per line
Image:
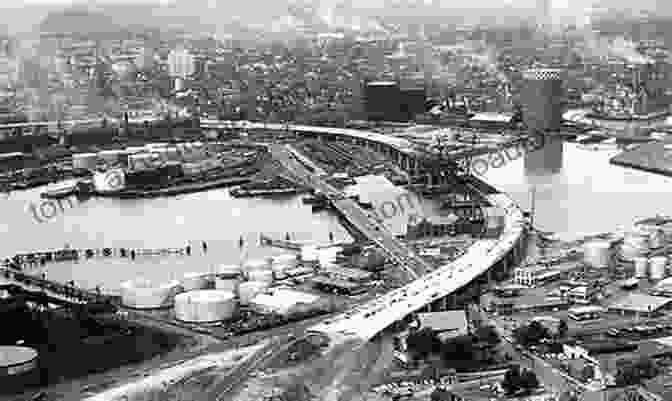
(552, 378)
(364, 222)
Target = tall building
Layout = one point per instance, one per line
(541, 99)
(251, 96)
(181, 63)
(383, 101)
(544, 8)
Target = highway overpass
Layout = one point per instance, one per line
(365, 321)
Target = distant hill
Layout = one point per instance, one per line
(85, 22)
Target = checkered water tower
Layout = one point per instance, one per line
(541, 98)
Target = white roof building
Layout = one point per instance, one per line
(281, 301)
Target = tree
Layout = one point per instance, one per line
(530, 334)
(528, 380)
(488, 335)
(423, 342)
(633, 373)
(562, 329)
(440, 395)
(512, 380)
(587, 373)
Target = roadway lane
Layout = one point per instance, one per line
(364, 222)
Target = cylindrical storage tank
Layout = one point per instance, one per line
(634, 245)
(658, 266)
(122, 157)
(172, 153)
(250, 289)
(84, 161)
(282, 263)
(309, 253)
(657, 239)
(229, 271)
(179, 84)
(135, 149)
(279, 271)
(264, 276)
(109, 156)
(257, 264)
(227, 283)
(142, 294)
(667, 231)
(597, 253)
(195, 281)
(18, 367)
(205, 306)
(641, 267)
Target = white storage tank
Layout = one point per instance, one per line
(597, 253)
(140, 161)
(658, 267)
(109, 156)
(257, 264)
(227, 283)
(250, 289)
(657, 239)
(132, 150)
(282, 263)
(641, 266)
(229, 271)
(109, 181)
(634, 245)
(309, 253)
(265, 276)
(195, 281)
(84, 161)
(143, 294)
(205, 306)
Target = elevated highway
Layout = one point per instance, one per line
(365, 321)
(374, 230)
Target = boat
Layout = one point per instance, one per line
(60, 189)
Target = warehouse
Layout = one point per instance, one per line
(638, 303)
(281, 301)
(446, 325)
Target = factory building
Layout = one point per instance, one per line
(383, 101)
(532, 277)
(640, 304)
(447, 324)
(541, 98)
(281, 301)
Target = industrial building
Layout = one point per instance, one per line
(640, 304)
(383, 101)
(281, 301)
(534, 276)
(447, 324)
(541, 99)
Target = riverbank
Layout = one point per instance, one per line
(176, 190)
(630, 117)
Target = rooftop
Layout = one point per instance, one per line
(455, 321)
(639, 302)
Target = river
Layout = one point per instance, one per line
(212, 216)
(577, 191)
